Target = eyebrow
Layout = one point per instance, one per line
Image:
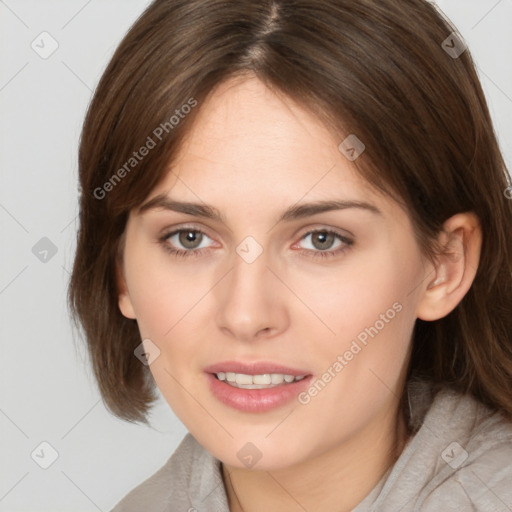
(292, 213)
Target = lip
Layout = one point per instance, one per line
(254, 368)
(255, 400)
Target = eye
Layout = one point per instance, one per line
(324, 240)
(188, 238)
(187, 242)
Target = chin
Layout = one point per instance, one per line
(258, 451)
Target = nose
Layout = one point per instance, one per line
(251, 301)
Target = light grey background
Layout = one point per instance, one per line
(47, 393)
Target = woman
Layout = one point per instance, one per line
(294, 221)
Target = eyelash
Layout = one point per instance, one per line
(182, 253)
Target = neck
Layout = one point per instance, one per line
(338, 479)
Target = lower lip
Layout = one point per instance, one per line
(256, 400)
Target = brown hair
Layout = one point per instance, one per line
(375, 68)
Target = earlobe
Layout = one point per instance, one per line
(455, 269)
(124, 300)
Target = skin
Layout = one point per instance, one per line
(251, 154)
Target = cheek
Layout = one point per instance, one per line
(345, 300)
(166, 301)
(371, 308)
(162, 292)
(363, 295)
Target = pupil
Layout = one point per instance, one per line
(325, 239)
(189, 238)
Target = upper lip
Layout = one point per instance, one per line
(254, 368)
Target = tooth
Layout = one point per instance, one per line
(241, 378)
(277, 378)
(262, 379)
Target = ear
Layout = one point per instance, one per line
(124, 300)
(455, 270)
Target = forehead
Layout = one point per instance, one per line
(242, 118)
(251, 144)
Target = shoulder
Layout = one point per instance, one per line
(171, 484)
(474, 456)
(459, 459)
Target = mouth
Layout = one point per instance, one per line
(260, 381)
(256, 387)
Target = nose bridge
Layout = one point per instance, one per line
(248, 281)
(249, 302)
(249, 274)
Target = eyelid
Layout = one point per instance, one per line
(344, 234)
(306, 231)
(168, 231)
(346, 241)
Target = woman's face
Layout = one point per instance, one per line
(258, 294)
